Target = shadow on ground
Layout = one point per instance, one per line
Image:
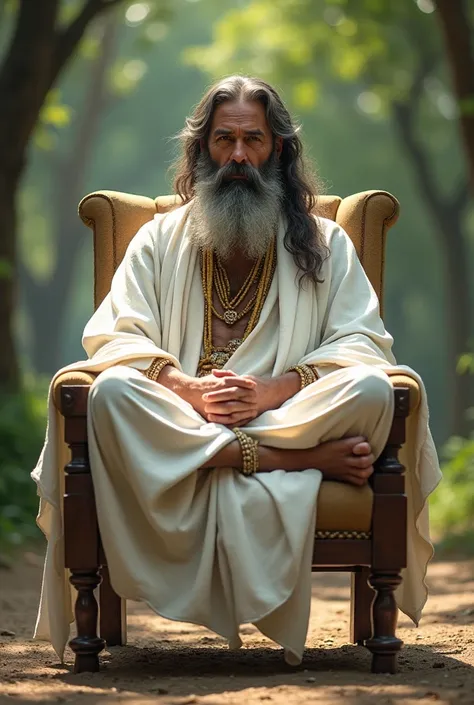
(178, 664)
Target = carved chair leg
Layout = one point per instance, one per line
(389, 541)
(113, 614)
(362, 596)
(86, 645)
(384, 645)
(81, 536)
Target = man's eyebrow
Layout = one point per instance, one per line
(226, 131)
(257, 131)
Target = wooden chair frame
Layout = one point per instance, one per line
(375, 559)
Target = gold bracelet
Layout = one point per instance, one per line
(249, 450)
(156, 366)
(306, 373)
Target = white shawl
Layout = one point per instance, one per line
(155, 308)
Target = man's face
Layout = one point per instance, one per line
(240, 133)
(238, 186)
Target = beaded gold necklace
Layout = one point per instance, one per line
(216, 357)
(222, 285)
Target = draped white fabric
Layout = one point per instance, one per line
(155, 307)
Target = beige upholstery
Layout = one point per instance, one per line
(115, 218)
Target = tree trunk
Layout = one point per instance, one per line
(48, 302)
(447, 226)
(9, 369)
(458, 39)
(459, 317)
(36, 55)
(23, 77)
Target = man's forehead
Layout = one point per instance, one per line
(249, 115)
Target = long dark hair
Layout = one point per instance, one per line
(303, 238)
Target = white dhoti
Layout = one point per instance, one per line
(211, 546)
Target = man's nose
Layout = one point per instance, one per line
(239, 153)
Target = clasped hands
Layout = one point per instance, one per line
(233, 400)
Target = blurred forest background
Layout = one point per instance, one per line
(92, 92)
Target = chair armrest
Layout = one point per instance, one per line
(70, 378)
(399, 380)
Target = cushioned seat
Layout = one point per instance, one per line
(343, 507)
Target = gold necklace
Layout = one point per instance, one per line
(217, 357)
(222, 286)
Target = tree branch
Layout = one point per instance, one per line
(404, 115)
(68, 39)
(461, 197)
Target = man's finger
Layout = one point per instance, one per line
(244, 422)
(239, 382)
(229, 393)
(363, 473)
(361, 449)
(224, 373)
(230, 419)
(351, 442)
(230, 407)
(361, 461)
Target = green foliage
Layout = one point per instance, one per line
(300, 42)
(465, 364)
(452, 505)
(6, 269)
(22, 429)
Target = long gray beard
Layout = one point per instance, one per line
(236, 215)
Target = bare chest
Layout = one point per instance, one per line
(222, 333)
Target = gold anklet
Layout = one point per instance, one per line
(249, 450)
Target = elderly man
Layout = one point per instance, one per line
(242, 360)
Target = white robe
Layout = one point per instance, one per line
(155, 308)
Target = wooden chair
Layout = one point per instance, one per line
(361, 530)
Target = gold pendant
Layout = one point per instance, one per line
(219, 358)
(230, 317)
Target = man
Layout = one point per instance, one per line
(242, 360)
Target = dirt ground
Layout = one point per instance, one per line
(173, 663)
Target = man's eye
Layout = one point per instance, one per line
(255, 138)
(223, 137)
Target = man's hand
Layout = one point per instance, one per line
(347, 460)
(270, 393)
(228, 398)
(236, 402)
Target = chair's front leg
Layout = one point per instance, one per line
(80, 530)
(362, 597)
(113, 612)
(389, 536)
(384, 645)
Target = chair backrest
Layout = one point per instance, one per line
(115, 218)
